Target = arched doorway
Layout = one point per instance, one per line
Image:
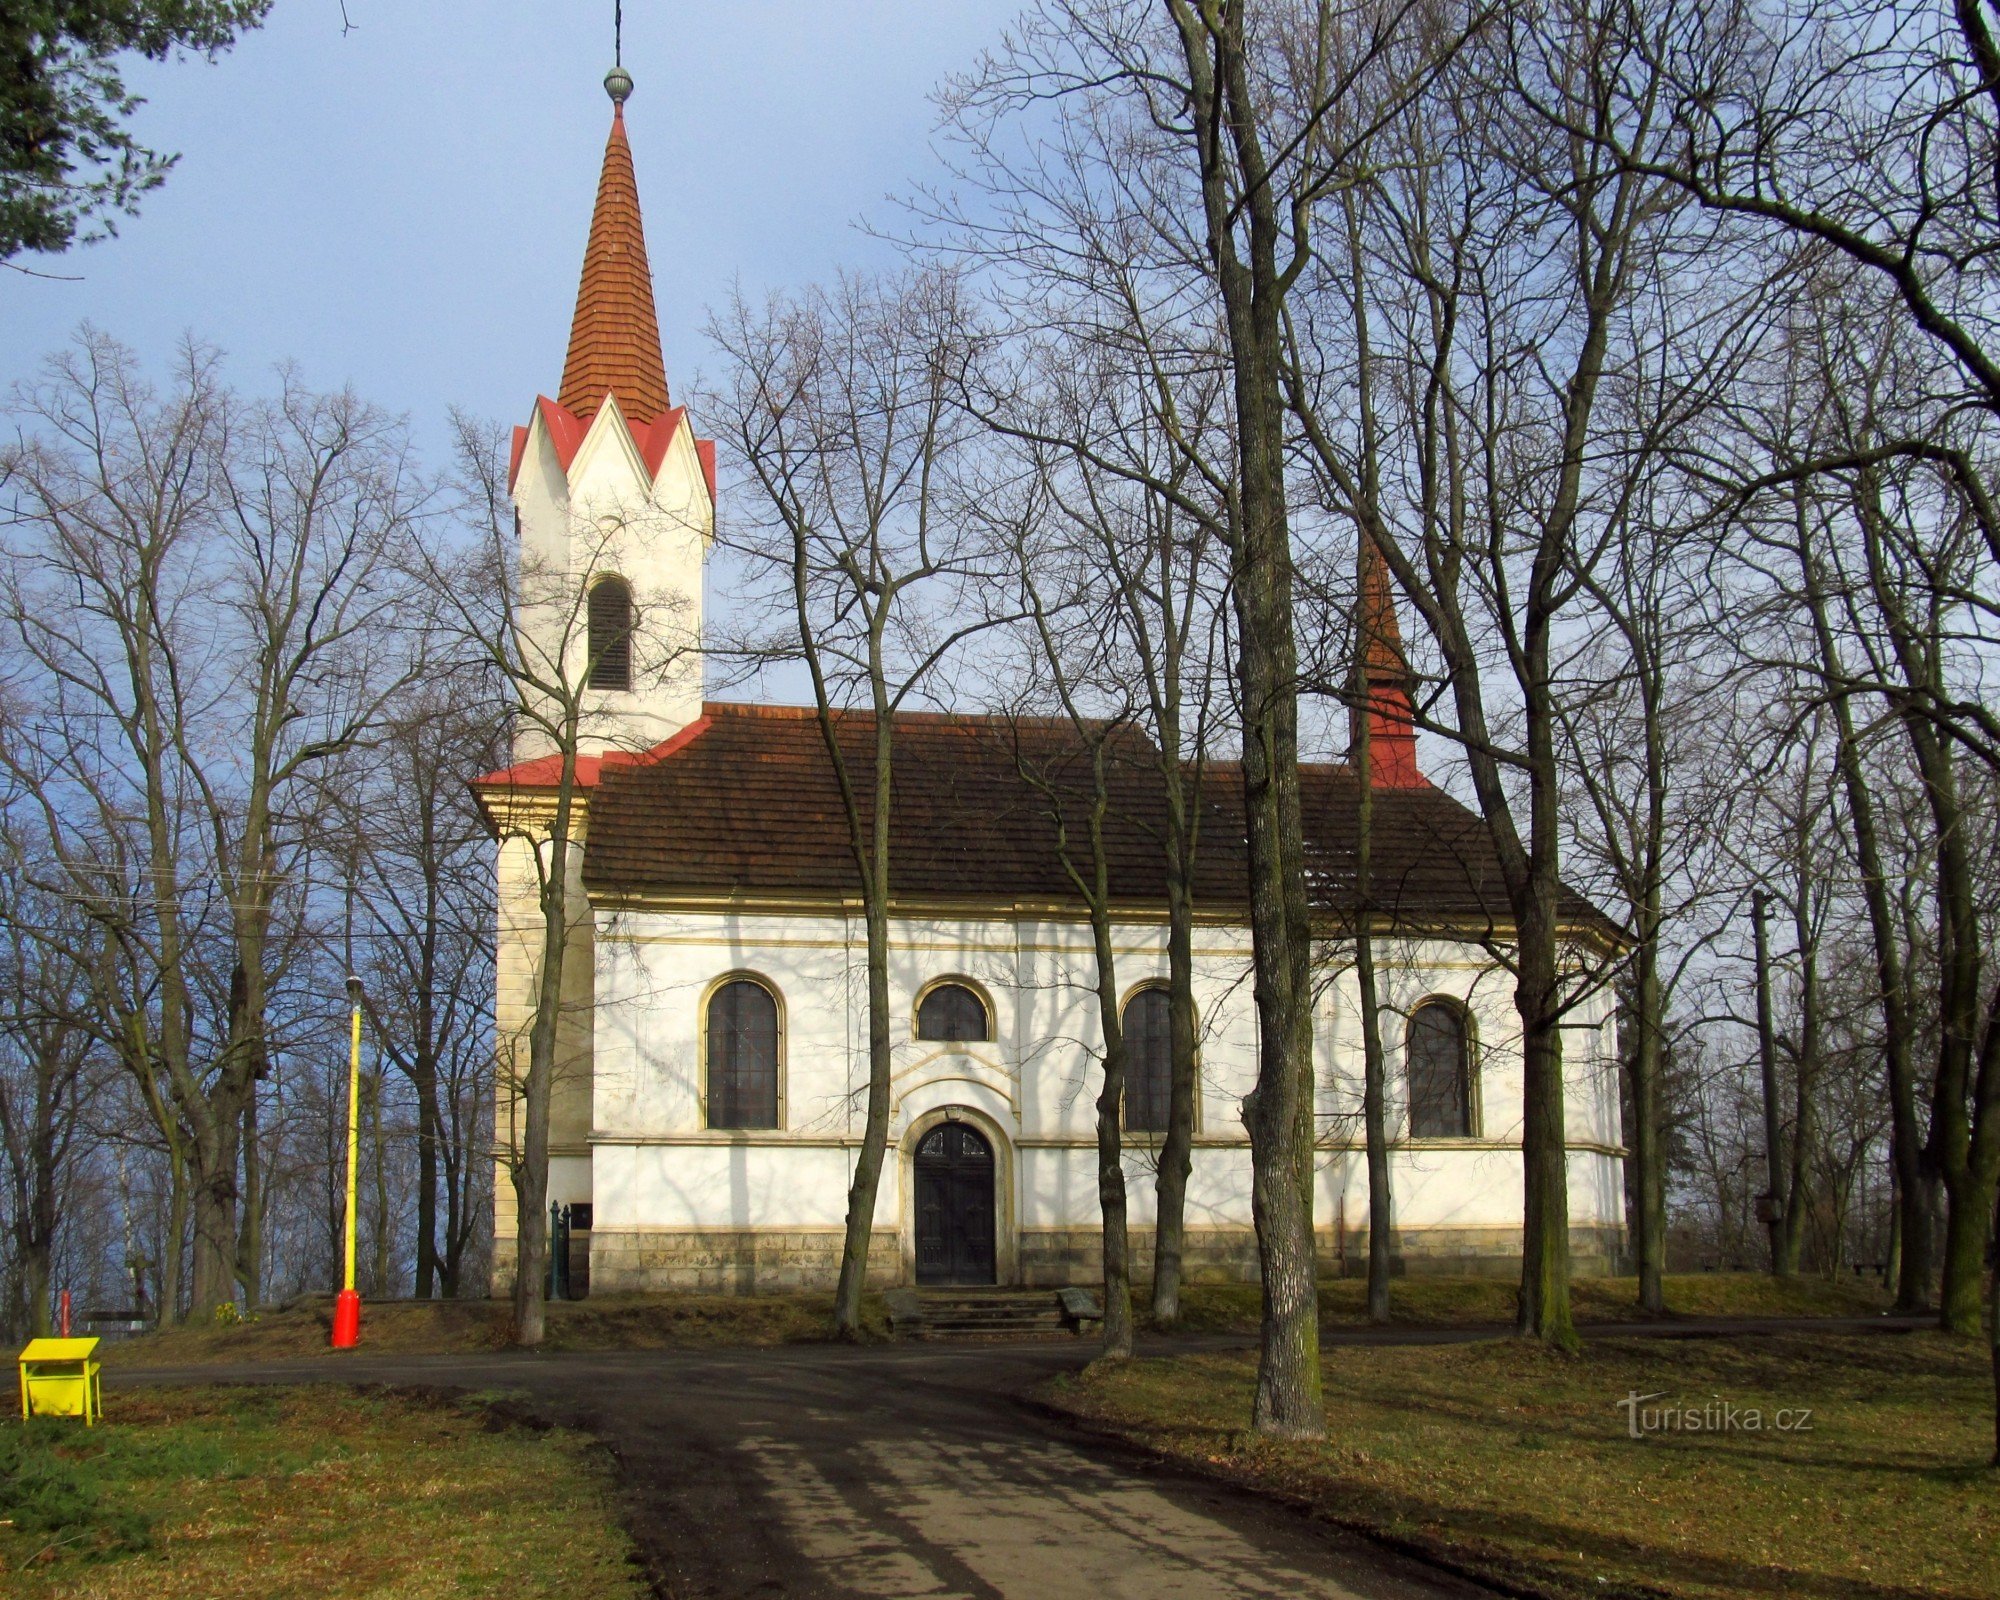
(954, 1203)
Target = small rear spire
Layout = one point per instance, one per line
(1386, 710)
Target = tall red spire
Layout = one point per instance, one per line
(1385, 676)
(614, 339)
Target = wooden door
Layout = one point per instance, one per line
(954, 1207)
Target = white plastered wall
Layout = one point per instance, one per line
(656, 1165)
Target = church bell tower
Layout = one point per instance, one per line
(615, 503)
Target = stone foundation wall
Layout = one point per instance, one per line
(1493, 1252)
(725, 1261)
(1058, 1256)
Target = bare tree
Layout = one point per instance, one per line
(425, 893)
(192, 564)
(840, 406)
(48, 1048)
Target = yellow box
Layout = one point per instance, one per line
(60, 1378)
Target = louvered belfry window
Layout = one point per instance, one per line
(1149, 1061)
(1439, 1066)
(610, 634)
(742, 1056)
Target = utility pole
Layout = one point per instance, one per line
(1770, 1204)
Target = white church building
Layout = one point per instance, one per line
(712, 1074)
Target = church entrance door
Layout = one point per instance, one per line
(954, 1206)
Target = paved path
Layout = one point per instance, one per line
(895, 1472)
(901, 1471)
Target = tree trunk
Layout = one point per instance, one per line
(1911, 1189)
(1374, 1064)
(531, 1202)
(429, 1137)
(34, 1267)
(1375, 1128)
(250, 1239)
(1648, 1151)
(1117, 1331)
(1177, 1148)
(35, 1232)
(1544, 1304)
(1767, 1058)
(1798, 1183)
(867, 1181)
(378, 1220)
(215, 1197)
(423, 1075)
(871, 857)
(173, 1248)
(531, 1165)
(1278, 1112)
(1993, 1326)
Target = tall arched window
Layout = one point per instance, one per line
(742, 1056)
(1149, 1061)
(952, 1013)
(1438, 1062)
(611, 634)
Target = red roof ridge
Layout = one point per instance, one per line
(545, 772)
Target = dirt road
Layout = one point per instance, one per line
(896, 1471)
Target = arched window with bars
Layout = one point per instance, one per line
(1437, 1060)
(610, 634)
(953, 1013)
(742, 1027)
(1149, 1061)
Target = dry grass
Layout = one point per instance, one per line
(415, 1327)
(299, 1494)
(1515, 1462)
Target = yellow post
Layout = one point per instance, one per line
(347, 1305)
(353, 1124)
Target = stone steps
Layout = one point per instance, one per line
(987, 1313)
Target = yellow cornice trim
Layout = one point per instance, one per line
(531, 811)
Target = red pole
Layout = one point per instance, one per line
(63, 1302)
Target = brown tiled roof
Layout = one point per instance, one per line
(614, 339)
(749, 805)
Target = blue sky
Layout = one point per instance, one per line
(403, 208)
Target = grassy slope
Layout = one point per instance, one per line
(298, 1494)
(1515, 1461)
(654, 1322)
(614, 1322)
